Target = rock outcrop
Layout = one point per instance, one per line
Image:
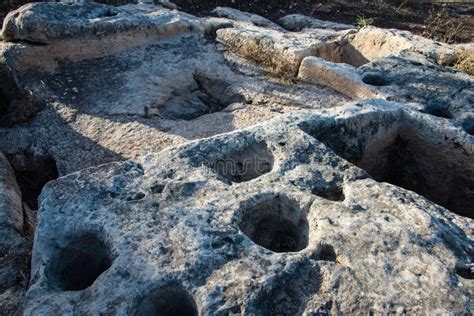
(231, 165)
(266, 221)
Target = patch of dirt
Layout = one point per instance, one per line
(451, 23)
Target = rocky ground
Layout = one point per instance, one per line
(445, 22)
(228, 163)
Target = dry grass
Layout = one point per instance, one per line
(465, 62)
(440, 28)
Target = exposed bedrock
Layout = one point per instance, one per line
(140, 134)
(311, 233)
(410, 151)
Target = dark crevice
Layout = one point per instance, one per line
(30, 43)
(32, 172)
(465, 271)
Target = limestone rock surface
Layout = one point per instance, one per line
(298, 22)
(231, 165)
(299, 230)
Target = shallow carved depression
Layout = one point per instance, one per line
(205, 96)
(277, 224)
(170, 300)
(79, 264)
(439, 110)
(404, 151)
(246, 163)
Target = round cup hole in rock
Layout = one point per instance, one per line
(375, 79)
(438, 110)
(79, 264)
(245, 164)
(169, 300)
(277, 224)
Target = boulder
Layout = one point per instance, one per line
(298, 22)
(373, 42)
(341, 77)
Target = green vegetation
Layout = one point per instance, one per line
(362, 21)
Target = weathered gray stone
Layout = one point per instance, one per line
(299, 231)
(32, 22)
(341, 77)
(278, 50)
(240, 16)
(159, 92)
(298, 22)
(329, 210)
(374, 43)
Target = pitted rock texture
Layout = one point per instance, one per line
(118, 86)
(275, 244)
(330, 207)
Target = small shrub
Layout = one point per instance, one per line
(362, 21)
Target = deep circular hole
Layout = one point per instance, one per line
(468, 125)
(333, 194)
(439, 110)
(278, 225)
(375, 79)
(169, 300)
(79, 264)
